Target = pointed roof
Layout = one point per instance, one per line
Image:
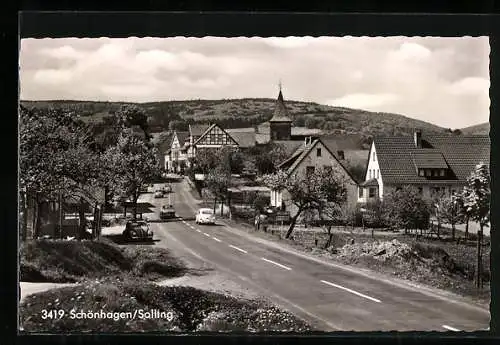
(280, 112)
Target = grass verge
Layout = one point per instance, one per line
(186, 310)
(60, 261)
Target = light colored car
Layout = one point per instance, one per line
(158, 193)
(205, 216)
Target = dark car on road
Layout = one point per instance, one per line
(167, 212)
(137, 230)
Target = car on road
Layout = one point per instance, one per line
(137, 230)
(158, 193)
(167, 189)
(205, 216)
(167, 212)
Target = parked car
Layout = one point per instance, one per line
(167, 189)
(167, 212)
(205, 216)
(158, 193)
(137, 230)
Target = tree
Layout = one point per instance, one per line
(406, 208)
(56, 161)
(450, 211)
(205, 161)
(178, 125)
(133, 163)
(318, 191)
(476, 197)
(217, 182)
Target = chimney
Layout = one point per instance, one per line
(417, 136)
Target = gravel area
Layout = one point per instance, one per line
(214, 282)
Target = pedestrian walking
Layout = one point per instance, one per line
(257, 222)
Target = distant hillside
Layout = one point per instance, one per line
(238, 113)
(483, 128)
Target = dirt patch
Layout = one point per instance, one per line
(62, 261)
(186, 309)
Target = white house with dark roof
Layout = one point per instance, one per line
(435, 164)
(310, 156)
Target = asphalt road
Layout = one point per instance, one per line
(331, 297)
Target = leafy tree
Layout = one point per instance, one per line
(133, 163)
(322, 190)
(451, 211)
(476, 196)
(217, 182)
(56, 160)
(406, 208)
(178, 125)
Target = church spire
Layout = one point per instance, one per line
(280, 112)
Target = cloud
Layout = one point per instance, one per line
(470, 86)
(411, 51)
(53, 76)
(364, 101)
(288, 42)
(63, 52)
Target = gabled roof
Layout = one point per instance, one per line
(208, 129)
(370, 183)
(293, 162)
(428, 159)
(182, 137)
(280, 112)
(198, 130)
(461, 153)
(343, 141)
(244, 139)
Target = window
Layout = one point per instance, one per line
(374, 156)
(441, 172)
(340, 154)
(371, 192)
(378, 173)
(360, 192)
(318, 152)
(370, 174)
(434, 173)
(309, 170)
(453, 192)
(327, 168)
(427, 173)
(420, 190)
(421, 172)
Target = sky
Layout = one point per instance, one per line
(444, 81)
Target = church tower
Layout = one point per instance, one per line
(280, 124)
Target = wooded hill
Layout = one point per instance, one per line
(483, 128)
(238, 113)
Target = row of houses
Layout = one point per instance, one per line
(434, 163)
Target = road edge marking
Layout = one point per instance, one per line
(277, 264)
(351, 291)
(449, 328)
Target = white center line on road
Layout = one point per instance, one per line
(206, 234)
(351, 291)
(215, 238)
(241, 250)
(198, 230)
(277, 264)
(449, 328)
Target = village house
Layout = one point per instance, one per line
(435, 164)
(313, 155)
(184, 145)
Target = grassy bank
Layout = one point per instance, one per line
(186, 310)
(62, 261)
